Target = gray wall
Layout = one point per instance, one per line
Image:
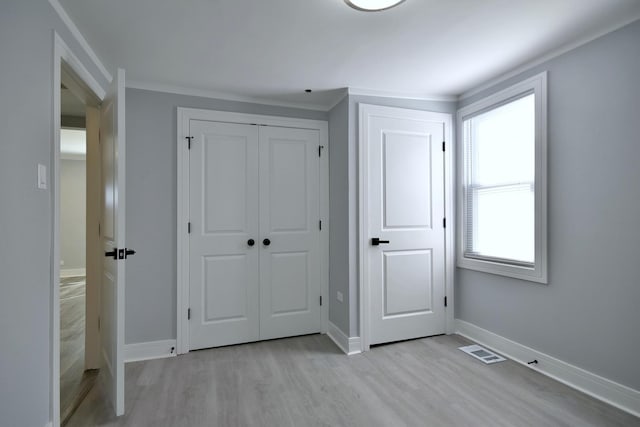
(26, 99)
(73, 217)
(339, 263)
(588, 313)
(151, 204)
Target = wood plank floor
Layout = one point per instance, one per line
(307, 381)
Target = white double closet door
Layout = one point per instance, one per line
(254, 255)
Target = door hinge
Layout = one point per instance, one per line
(320, 299)
(320, 147)
(445, 301)
(444, 222)
(189, 228)
(188, 138)
(99, 230)
(320, 224)
(98, 322)
(188, 314)
(443, 144)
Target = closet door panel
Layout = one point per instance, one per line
(289, 215)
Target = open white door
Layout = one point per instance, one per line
(112, 140)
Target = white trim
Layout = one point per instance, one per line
(149, 350)
(537, 85)
(384, 94)
(184, 116)
(488, 84)
(73, 272)
(73, 29)
(608, 391)
(203, 93)
(363, 215)
(61, 52)
(349, 345)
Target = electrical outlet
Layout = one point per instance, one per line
(339, 296)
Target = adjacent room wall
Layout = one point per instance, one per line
(151, 204)
(26, 116)
(73, 219)
(588, 313)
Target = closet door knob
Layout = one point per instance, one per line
(251, 242)
(266, 242)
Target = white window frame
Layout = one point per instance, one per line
(538, 273)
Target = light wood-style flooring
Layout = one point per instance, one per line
(307, 381)
(75, 382)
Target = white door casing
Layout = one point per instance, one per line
(224, 297)
(403, 202)
(112, 140)
(289, 215)
(244, 182)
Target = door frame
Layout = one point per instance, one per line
(184, 116)
(63, 56)
(364, 112)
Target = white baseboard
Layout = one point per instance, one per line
(608, 391)
(73, 272)
(149, 350)
(350, 345)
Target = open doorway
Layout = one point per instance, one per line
(79, 231)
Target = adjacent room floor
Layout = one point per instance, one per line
(75, 382)
(307, 381)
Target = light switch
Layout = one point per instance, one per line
(42, 177)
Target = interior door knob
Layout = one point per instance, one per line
(113, 253)
(375, 241)
(266, 242)
(251, 242)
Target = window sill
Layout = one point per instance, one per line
(533, 274)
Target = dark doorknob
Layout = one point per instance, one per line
(375, 241)
(251, 242)
(113, 253)
(128, 252)
(266, 242)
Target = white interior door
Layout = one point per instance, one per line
(406, 270)
(112, 140)
(224, 283)
(254, 255)
(289, 232)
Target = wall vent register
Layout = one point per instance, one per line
(482, 354)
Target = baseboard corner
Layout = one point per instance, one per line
(136, 352)
(349, 345)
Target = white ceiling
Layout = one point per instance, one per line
(274, 49)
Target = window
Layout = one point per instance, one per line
(502, 183)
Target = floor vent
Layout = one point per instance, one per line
(482, 353)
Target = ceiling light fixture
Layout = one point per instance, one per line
(372, 5)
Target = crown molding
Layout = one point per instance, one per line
(385, 94)
(544, 58)
(204, 93)
(73, 29)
